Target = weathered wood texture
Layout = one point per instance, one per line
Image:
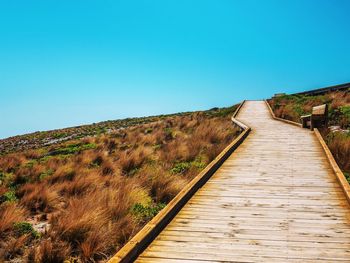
(275, 199)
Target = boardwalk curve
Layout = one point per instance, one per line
(275, 199)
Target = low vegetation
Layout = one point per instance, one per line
(45, 138)
(80, 200)
(337, 134)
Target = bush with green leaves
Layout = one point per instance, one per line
(22, 228)
(5, 178)
(73, 148)
(345, 110)
(181, 167)
(45, 174)
(30, 164)
(59, 135)
(347, 176)
(145, 213)
(9, 196)
(198, 164)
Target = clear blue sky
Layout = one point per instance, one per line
(65, 62)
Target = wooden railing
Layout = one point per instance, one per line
(142, 239)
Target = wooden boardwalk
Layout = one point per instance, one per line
(275, 199)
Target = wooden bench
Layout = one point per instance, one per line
(318, 118)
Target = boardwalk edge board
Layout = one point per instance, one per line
(338, 173)
(142, 239)
(280, 119)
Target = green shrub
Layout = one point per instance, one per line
(299, 109)
(5, 178)
(345, 110)
(22, 228)
(31, 163)
(181, 167)
(43, 175)
(72, 149)
(199, 164)
(44, 159)
(59, 135)
(347, 176)
(145, 213)
(9, 196)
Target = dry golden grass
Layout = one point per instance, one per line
(92, 195)
(50, 251)
(38, 197)
(14, 247)
(9, 214)
(339, 144)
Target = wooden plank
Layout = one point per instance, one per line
(253, 250)
(262, 220)
(262, 240)
(309, 204)
(251, 236)
(253, 222)
(251, 259)
(260, 248)
(273, 214)
(232, 256)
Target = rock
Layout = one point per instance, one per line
(334, 128)
(41, 226)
